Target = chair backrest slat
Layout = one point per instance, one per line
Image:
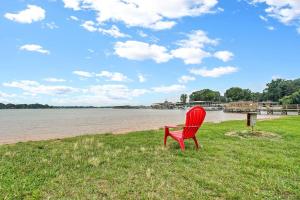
(194, 119)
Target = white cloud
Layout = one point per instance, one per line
(271, 28)
(135, 50)
(263, 18)
(286, 11)
(34, 88)
(169, 89)
(116, 91)
(185, 79)
(215, 72)
(197, 39)
(84, 74)
(142, 78)
(190, 55)
(51, 25)
(113, 76)
(90, 26)
(6, 98)
(104, 95)
(5, 95)
(298, 30)
(224, 55)
(74, 18)
(142, 34)
(31, 14)
(34, 48)
(54, 80)
(74, 4)
(114, 31)
(153, 14)
(190, 50)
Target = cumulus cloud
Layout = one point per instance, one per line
(142, 78)
(74, 18)
(101, 95)
(286, 11)
(54, 80)
(114, 31)
(113, 76)
(190, 55)
(31, 14)
(270, 28)
(135, 50)
(191, 50)
(197, 39)
(84, 74)
(5, 95)
(34, 48)
(153, 14)
(215, 72)
(116, 91)
(51, 25)
(34, 88)
(74, 4)
(185, 79)
(6, 98)
(169, 89)
(142, 34)
(263, 18)
(89, 26)
(223, 55)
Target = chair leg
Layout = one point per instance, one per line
(196, 142)
(165, 139)
(181, 143)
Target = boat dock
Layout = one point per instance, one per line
(270, 108)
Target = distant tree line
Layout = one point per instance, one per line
(23, 106)
(279, 90)
(37, 106)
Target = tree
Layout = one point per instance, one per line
(238, 94)
(279, 88)
(183, 98)
(291, 99)
(2, 106)
(205, 95)
(256, 96)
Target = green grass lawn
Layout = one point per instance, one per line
(137, 166)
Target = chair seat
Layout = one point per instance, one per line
(176, 134)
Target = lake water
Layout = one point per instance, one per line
(38, 124)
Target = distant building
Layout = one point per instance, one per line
(164, 105)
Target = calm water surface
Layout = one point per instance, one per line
(37, 124)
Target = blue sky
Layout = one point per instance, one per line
(113, 52)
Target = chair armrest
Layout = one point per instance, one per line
(191, 126)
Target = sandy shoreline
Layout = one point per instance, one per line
(44, 130)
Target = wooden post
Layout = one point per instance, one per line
(270, 112)
(298, 108)
(284, 112)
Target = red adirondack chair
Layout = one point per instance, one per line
(194, 119)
